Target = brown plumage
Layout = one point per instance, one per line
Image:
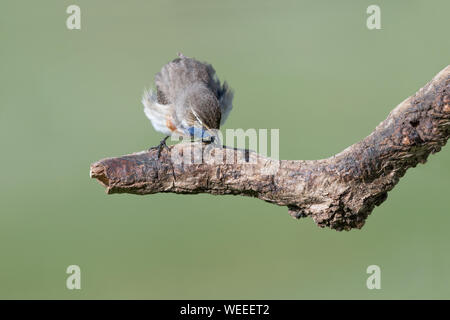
(188, 94)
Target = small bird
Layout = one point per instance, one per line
(189, 101)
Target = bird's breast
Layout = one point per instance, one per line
(170, 125)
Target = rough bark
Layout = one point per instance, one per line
(338, 192)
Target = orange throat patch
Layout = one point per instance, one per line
(170, 125)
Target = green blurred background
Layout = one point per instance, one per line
(310, 68)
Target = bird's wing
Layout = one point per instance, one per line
(198, 123)
(204, 108)
(197, 119)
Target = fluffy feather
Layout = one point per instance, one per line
(157, 113)
(189, 99)
(226, 102)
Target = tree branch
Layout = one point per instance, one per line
(338, 192)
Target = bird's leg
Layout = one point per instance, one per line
(161, 146)
(210, 140)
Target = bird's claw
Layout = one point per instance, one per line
(211, 140)
(162, 145)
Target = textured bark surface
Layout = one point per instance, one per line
(338, 192)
